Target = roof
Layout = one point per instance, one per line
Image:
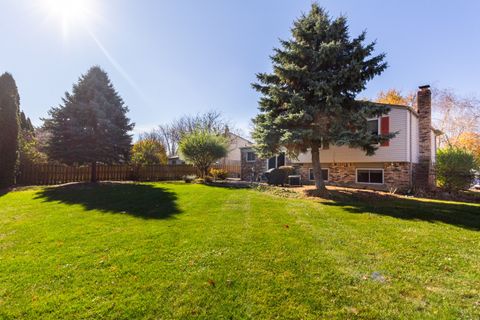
(412, 110)
(236, 135)
(397, 106)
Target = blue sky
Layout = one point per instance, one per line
(170, 58)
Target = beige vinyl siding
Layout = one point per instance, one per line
(395, 152)
(234, 154)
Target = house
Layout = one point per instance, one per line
(175, 160)
(236, 143)
(403, 163)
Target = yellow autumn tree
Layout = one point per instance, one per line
(394, 96)
(469, 141)
(148, 152)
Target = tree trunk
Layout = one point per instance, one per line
(94, 172)
(317, 168)
(205, 172)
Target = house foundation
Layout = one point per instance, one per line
(395, 176)
(390, 176)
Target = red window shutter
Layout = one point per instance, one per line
(385, 129)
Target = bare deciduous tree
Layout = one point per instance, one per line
(454, 115)
(170, 134)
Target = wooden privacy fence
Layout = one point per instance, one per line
(48, 174)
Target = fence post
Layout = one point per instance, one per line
(93, 177)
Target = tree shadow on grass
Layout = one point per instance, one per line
(4, 192)
(139, 200)
(356, 201)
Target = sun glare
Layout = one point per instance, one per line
(70, 12)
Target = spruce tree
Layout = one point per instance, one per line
(309, 98)
(91, 125)
(9, 125)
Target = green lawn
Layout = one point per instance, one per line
(166, 250)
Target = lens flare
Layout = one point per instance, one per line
(70, 12)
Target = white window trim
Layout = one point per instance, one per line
(328, 174)
(378, 169)
(268, 161)
(253, 159)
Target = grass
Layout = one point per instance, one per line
(168, 250)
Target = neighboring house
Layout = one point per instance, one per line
(401, 164)
(234, 150)
(175, 160)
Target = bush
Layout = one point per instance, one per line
(202, 149)
(280, 175)
(206, 179)
(189, 178)
(148, 152)
(455, 169)
(219, 174)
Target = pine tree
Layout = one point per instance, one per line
(9, 124)
(91, 125)
(309, 99)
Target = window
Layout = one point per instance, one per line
(374, 176)
(373, 126)
(281, 160)
(251, 157)
(276, 162)
(324, 174)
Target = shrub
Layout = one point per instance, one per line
(219, 174)
(189, 178)
(199, 181)
(455, 169)
(280, 175)
(288, 170)
(204, 180)
(202, 149)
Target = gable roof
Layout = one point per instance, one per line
(397, 106)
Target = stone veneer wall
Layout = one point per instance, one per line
(396, 175)
(251, 171)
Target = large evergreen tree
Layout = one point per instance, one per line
(9, 126)
(309, 99)
(91, 125)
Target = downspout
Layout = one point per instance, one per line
(410, 148)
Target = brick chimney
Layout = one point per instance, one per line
(424, 178)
